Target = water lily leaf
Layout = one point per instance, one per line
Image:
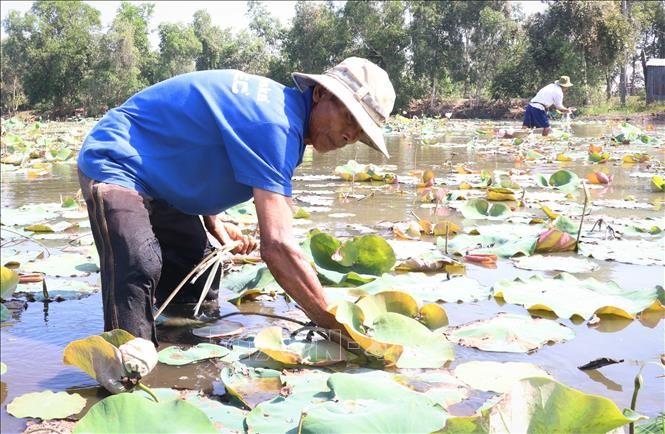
(65, 265)
(367, 254)
(220, 328)
(251, 277)
(335, 279)
(27, 214)
(94, 355)
(658, 182)
(555, 263)
(655, 425)
(554, 240)
(251, 385)
(131, 413)
(46, 405)
(51, 227)
(61, 289)
(564, 180)
(382, 325)
(117, 337)
(360, 416)
(244, 212)
(177, 356)
(3, 368)
(509, 333)
(430, 287)
(540, 405)
(496, 376)
(353, 171)
(503, 245)
(567, 296)
(282, 413)
(439, 385)
(499, 194)
(8, 283)
(5, 314)
(482, 209)
(316, 353)
(225, 418)
(431, 261)
(565, 224)
(639, 252)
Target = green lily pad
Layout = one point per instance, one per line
(555, 263)
(362, 416)
(251, 385)
(315, 353)
(221, 328)
(496, 376)
(640, 252)
(8, 283)
(282, 413)
(65, 265)
(46, 405)
(251, 277)
(509, 333)
(367, 254)
(243, 212)
(383, 325)
(334, 279)
(482, 209)
(503, 245)
(130, 413)
(564, 180)
(567, 296)
(176, 356)
(5, 314)
(58, 288)
(542, 405)
(430, 287)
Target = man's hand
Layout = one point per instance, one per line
(227, 233)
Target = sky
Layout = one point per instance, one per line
(223, 13)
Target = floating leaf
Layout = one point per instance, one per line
(658, 182)
(505, 246)
(367, 254)
(509, 333)
(554, 240)
(496, 376)
(5, 314)
(599, 178)
(251, 385)
(131, 413)
(430, 287)
(3, 368)
(46, 405)
(221, 328)
(555, 263)
(383, 325)
(482, 209)
(498, 194)
(564, 180)
(9, 282)
(566, 296)
(177, 356)
(66, 265)
(544, 405)
(316, 353)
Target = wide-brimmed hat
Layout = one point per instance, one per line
(564, 81)
(364, 88)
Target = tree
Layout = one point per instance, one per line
(178, 49)
(14, 61)
(59, 47)
(377, 31)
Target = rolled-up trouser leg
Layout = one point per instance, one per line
(129, 254)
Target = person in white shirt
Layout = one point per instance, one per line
(551, 95)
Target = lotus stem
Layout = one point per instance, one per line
(633, 401)
(45, 289)
(147, 390)
(42, 245)
(579, 231)
(206, 288)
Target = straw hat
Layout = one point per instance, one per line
(364, 88)
(564, 81)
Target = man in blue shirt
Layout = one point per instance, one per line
(199, 143)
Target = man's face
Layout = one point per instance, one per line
(331, 124)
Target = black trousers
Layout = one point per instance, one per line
(146, 247)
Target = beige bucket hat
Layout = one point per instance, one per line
(364, 88)
(564, 81)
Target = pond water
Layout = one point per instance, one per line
(33, 341)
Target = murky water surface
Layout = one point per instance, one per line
(32, 343)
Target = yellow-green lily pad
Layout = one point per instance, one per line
(46, 405)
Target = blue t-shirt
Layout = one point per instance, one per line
(201, 141)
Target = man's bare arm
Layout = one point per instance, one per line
(285, 259)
